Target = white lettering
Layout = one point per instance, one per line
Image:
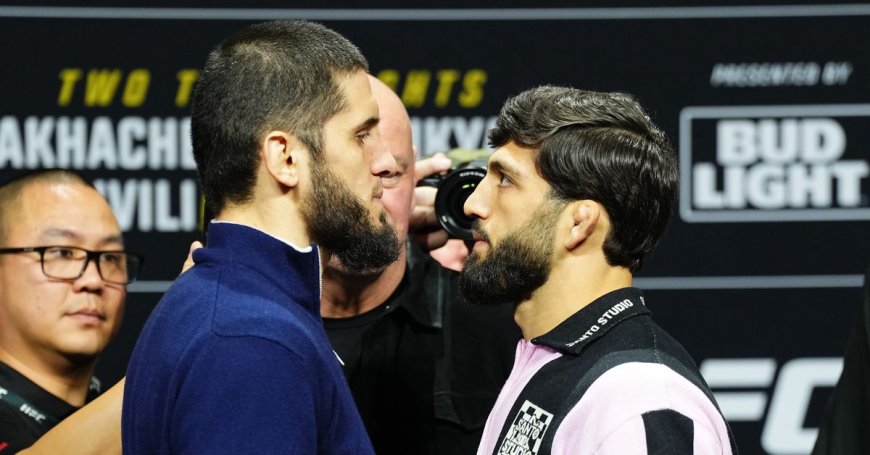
(849, 175)
(149, 206)
(778, 141)
(11, 150)
(71, 140)
(770, 186)
(37, 148)
(32, 413)
(131, 130)
(784, 430)
(440, 134)
(765, 74)
(145, 201)
(807, 183)
(186, 220)
(163, 143)
(436, 135)
(836, 73)
(704, 194)
(469, 132)
(101, 152)
(735, 142)
(764, 186)
(159, 143)
(743, 142)
(823, 140)
(777, 164)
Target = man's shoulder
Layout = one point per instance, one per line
(234, 305)
(202, 310)
(643, 395)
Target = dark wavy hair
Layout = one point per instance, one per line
(278, 75)
(603, 147)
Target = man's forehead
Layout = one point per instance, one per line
(75, 234)
(357, 91)
(358, 114)
(70, 211)
(512, 158)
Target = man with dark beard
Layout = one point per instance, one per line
(579, 190)
(423, 366)
(234, 358)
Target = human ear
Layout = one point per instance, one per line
(585, 216)
(281, 156)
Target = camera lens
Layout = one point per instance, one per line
(453, 191)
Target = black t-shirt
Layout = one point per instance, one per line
(345, 334)
(28, 411)
(426, 367)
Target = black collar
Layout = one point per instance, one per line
(594, 320)
(42, 402)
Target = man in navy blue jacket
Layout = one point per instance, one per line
(234, 359)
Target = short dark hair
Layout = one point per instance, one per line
(603, 147)
(271, 76)
(10, 190)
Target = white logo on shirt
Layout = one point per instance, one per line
(527, 431)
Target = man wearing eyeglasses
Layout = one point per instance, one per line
(63, 277)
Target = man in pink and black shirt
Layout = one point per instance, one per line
(578, 191)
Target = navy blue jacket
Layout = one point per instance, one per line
(234, 358)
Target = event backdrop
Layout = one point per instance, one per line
(768, 106)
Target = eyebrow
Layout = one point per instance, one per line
(69, 234)
(503, 168)
(368, 124)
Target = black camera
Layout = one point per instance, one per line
(453, 190)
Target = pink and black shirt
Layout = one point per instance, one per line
(607, 380)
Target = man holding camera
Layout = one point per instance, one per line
(423, 366)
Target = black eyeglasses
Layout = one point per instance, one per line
(69, 262)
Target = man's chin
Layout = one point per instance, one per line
(336, 266)
(82, 353)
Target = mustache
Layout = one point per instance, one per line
(378, 189)
(478, 229)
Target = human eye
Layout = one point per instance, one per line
(364, 136)
(60, 253)
(111, 257)
(505, 181)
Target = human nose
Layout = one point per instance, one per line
(383, 164)
(476, 206)
(91, 279)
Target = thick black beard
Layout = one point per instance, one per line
(340, 223)
(515, 268)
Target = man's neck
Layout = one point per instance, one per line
(346, 295)
(565, 293)
(57, 374)
(274, 217)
